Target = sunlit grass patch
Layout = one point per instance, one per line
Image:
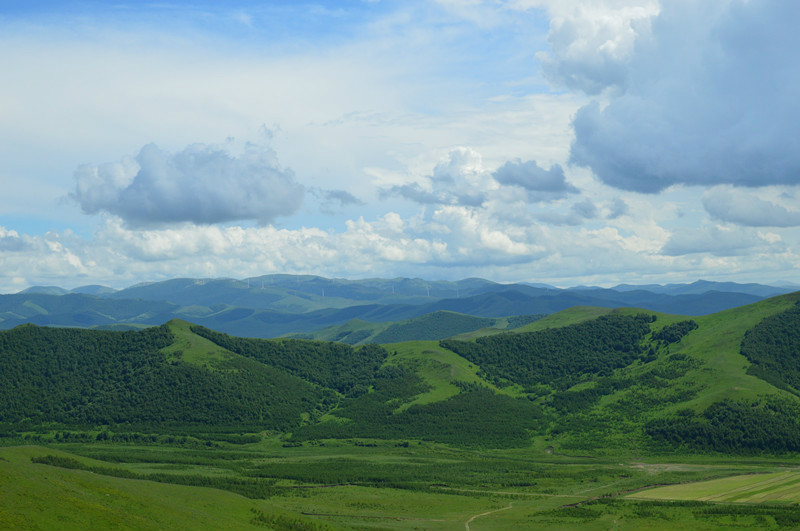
(753, 488)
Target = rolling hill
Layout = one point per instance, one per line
(584, 378)
(278, 305)
(566, 422)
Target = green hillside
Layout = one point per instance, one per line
(428, 327)
(563, 423)
(586, 378)
(36, 496)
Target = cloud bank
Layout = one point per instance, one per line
(706, 95)
(744, 208)
(202, 184)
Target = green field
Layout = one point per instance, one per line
(378, 485)
(777, 487)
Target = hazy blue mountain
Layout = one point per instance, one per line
(704, 286)
(94, 289)
(276, 305)
(46, 290)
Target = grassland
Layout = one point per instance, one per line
(776, 487)
(377, 485)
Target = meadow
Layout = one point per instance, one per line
(380, 485)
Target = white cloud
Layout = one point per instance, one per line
(693, 93)
(201, 184)
(457, 179)
(592, 41)
(744, 207)
(10, 241)
(718, 241)
(708, 98)
(541, 184)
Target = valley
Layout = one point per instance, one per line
(588, 418)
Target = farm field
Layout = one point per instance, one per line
(778, 487)
(379, 485)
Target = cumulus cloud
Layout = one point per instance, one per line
(342, 197)
(10, 240)
(717, 241)
(540, 184)
(333, 201)
(578, 213)
(744, 208)
(202, 184)
(707, 97)
(617, 208)
(591, 41)
(458, 179)
(585, 209)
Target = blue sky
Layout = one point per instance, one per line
(569, 142)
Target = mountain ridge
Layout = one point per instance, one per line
(276, 305)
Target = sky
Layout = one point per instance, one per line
(569, 142)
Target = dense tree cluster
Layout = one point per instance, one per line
(580, 400)
(85, 377)
(334, 365)
(432, 327)
(558, 356)
(730, 426)
(476, 417)
(773, 348)
(674, 332)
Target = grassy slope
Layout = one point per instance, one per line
(438, 367)
(194, 349)
(364, 330)
(432, 326)
(721, 374)
(43, 497)
(567, 317)
(719, 371)
(717, 343)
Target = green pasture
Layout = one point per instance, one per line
(41, 497)
(438, 367)
(380, 485)
(777, 487)
(193, 348)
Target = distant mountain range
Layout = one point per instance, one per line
(276, 305)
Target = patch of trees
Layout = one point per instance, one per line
(84, 377)
(515, 321)
(431, 327)
(285, 522)
(575, 401)
(476, 417)
(559, 357)
(773, 348)
(337, 366)
(674, 332)
(770, 425)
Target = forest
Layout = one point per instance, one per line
(558, 357)
(85, 378)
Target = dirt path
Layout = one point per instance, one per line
(466, 525)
